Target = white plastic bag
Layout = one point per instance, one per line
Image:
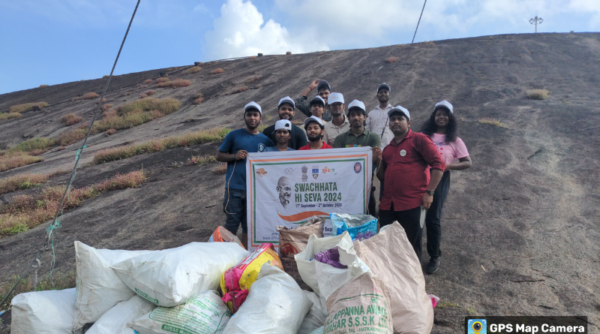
(43, 312)
(275, 305)
(171, 277)
(115, 320)
(200, 315)
(98, 286)
(392, 258)
(323, 278)
(316, 316)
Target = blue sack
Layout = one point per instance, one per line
(360, 227)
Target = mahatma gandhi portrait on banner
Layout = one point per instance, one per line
(284, 188)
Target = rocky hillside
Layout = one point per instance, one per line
(521, 229)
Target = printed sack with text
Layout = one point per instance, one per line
(115, 320)
(221, 234)
(171, 277)
(236, 281)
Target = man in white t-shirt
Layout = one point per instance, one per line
(377, 120)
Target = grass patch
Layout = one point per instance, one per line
(15, 160)
(106, 107)
(217, 71)
(148, 93)
(26, 212)
(537, 94)
(110, 132)
(147, 81)
(58, 281)
(161, 80)
(221, 169)
(42, 86)
(33, 144)
(70, 119)
(174, 84)
(194, 161)
(447, 304)
(194, 69)
(390, 60)
(198, 98)
(166, 105)
(90, 95)
(188, 139)
(239, 89)
(19, 108)
(10, 115)
(492, 121)
(21, 181)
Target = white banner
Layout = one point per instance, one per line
(288, 188)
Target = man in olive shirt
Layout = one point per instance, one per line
(358, 136)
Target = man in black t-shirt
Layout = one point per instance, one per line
(286, 110)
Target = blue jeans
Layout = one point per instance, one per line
(235, 210)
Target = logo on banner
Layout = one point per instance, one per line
(357, 167)
(315, 171)
(327, 170)
(289, 171)
(304, 171)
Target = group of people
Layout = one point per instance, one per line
(414, 168)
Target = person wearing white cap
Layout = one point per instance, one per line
(282, 134)
(317, 106)
(377, 120)
(286, 110)
(314, 130)
(339, 122)
(409, 184)
(235, 148)
(441, 127)
(323, 90)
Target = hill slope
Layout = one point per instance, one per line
(521, 229)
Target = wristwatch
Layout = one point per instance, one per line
(430, 192)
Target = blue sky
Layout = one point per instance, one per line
(52, 42)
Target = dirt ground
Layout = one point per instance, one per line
(521, 228)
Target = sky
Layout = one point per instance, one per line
(57, 41)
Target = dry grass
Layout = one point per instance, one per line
(21, 181)
(10, 115)
(166, 105)
(90, 95)
(198, 98)
(188, 139)
(492, 121)
(15, 160)
(58, 281)
(70, 119)
(220, 169)
(194, 161)
(194, 69)
(537, 94)
(148, 81)
(106, 107)
(239, 89)
(110, 132)
(390, 60)
(26, 212)
(42, 86)
(19, 108)
(33, 144)
(150, 92)
(161, 80)
(254, 78)
(174, 84)
(217, 71)
(70, 137)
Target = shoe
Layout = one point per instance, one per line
(432, 266)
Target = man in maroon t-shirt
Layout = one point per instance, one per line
(314, 131)
(404, 171)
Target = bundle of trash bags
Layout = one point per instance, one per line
(315, 284)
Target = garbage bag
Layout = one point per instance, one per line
(171, 277)
(316, 316)
(362, 305)
(392, 258)
(236, 281)
(293, 241)
(43, 312)
(358, 226)
(98, 286)
(275, 305)
(203, 314)
(323, 278)
(221, 234)
(115, 320)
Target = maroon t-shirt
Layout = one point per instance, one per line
(407, 171)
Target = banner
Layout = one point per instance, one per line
(288, 188)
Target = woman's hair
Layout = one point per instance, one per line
(429, 127)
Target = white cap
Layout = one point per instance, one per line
(313, 119)
(253, 105)
(283, 124)
(335, 97)
(357, 104)
(400, 109)
(286, 99)
(444, 104)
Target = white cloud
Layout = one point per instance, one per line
(241, 31)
